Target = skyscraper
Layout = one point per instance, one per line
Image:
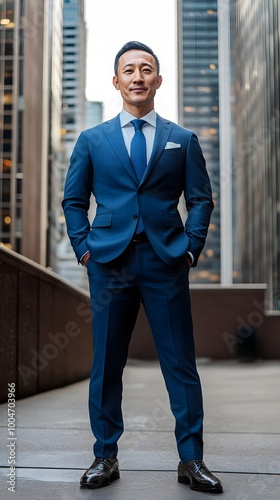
(199, 109)
(11, 111)
(29, 129)
(74, 73)
(256, 34)
(62, 258)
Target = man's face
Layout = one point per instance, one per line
(137, 80)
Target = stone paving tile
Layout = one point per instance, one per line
(34, 484)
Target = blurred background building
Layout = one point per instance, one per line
(77, 114)
(73, 79)
(228, 67)
(256, 39)
(30, 104)
(198, 106)
(74, 73)
(43, 109)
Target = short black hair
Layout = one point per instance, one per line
(133, 45)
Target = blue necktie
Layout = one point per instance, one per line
(138, 152)
(138, 155)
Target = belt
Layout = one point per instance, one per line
(140, 238)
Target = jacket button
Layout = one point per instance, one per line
(135, 216)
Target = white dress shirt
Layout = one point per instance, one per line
(148, 129)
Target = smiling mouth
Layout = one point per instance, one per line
(138, 89)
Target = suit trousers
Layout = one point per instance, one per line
(117, 288)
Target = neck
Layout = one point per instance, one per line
(138, 111)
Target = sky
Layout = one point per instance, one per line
(112, 23)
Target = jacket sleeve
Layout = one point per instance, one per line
(77, 192)
(198, 197)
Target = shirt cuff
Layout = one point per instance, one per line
(191, 256)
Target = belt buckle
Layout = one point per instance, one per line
(142, 237)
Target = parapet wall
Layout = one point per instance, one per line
(46, 339)
(225, 320)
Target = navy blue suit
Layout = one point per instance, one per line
(123, 274)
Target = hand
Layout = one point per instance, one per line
(86, 258)
(188, 260)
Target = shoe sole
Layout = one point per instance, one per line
(186, 480)
(105, 482)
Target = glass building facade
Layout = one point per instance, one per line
(77, 114)
(30, 109)
(256, 38)
(74, 73)
(199, 109)
(63, 260)
(11, 119)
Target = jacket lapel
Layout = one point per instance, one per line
(113, 132)
(163, 129)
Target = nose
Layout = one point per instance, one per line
(137, 76)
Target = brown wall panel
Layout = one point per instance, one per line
(28, 312)
(46, 322)
(142, 344)
(218, 313)
(47, 373)
(8, 325)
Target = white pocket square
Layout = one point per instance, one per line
(172, 145)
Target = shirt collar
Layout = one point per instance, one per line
(126, 118)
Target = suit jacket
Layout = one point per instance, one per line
(101, 165)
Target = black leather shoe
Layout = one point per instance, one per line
(198, 476)
(101, 473)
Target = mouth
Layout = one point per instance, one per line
(138, 89)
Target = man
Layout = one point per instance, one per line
(137, 250)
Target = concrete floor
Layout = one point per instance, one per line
(241, 435)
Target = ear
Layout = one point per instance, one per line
(159, 81)
(116, 82)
